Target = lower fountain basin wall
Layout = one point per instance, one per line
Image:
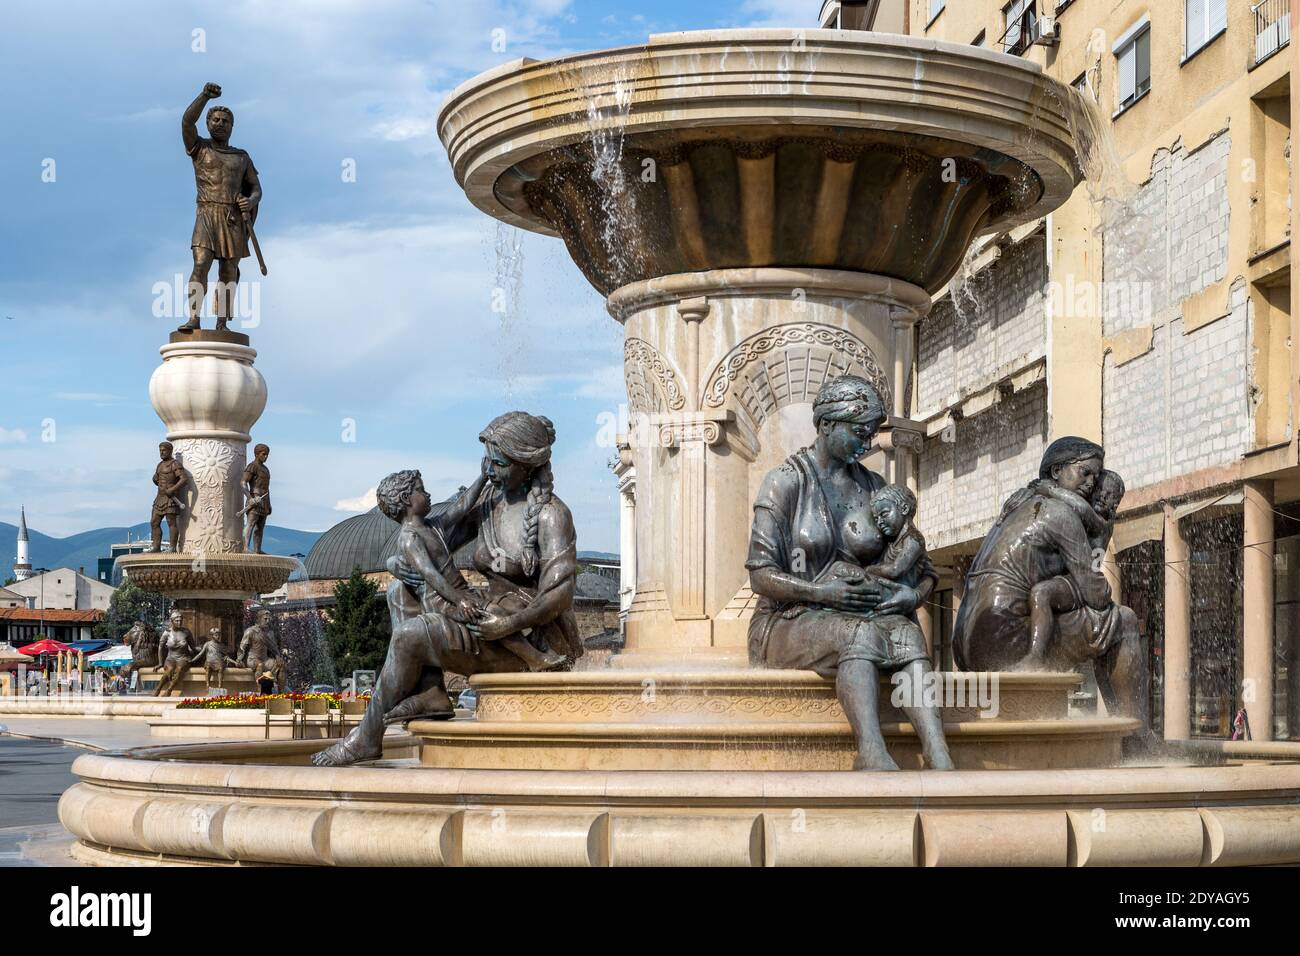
(198, 804)
(101, 708)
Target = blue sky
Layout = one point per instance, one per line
(378, 305)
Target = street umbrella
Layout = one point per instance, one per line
(46, 646)
(115, 656)
(10, 657)
(90, 646)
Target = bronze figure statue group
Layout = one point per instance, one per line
(834, 556)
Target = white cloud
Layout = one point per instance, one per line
(12, 436)
(363, 502)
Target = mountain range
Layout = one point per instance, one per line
(85, 549)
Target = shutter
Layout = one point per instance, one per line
(1196, 20)
(1125, 76)
(1142, 63)
(1218, 17)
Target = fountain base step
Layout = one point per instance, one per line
(755, 720)
(238, 680)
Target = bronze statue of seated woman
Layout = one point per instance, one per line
(834, 571)
(526, 547)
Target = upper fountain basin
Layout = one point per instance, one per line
(871, 152)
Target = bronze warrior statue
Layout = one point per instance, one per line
(840, 570)
(229, 194)
(523, 543)
(256, 481)
(175, 652)
(1035, 595)
(170, 478)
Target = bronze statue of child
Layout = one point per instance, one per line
(214, 657)
(422, 545)
(893, 507)
(1059, 595)
(904, 560)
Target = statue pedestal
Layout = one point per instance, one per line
(209, 396)
(741, 720)
(238, 680)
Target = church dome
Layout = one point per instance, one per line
(363, 541)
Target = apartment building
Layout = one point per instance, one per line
(1152, 312)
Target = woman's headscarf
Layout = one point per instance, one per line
(521, 437)
(848, 398)
(527, 439)
(1066, 451)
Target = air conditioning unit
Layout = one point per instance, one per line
(1044, 31)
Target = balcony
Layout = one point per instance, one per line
(1272, 27)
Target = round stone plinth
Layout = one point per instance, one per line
(756, 720)
(257, 802)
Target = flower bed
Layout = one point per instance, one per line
(256, 701)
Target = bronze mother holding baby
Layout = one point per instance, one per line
(840, 570)
(524, 544)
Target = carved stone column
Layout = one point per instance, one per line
(723, 366)
(209, 396)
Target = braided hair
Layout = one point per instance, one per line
(527, 439)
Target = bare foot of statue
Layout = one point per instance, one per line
(868, 760)
(547, 661)
(342, 754)
(432, 704)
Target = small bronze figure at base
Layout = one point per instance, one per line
(175, 652)
(258, 644)
(214, 657)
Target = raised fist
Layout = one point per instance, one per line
(211, 90)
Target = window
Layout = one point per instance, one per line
(1016, 18)
(1081, 83)
(1205, 20)
(936, 8)
(1133, 64)
(979, 40)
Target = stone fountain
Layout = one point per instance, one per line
(209, 395)
(765, 209)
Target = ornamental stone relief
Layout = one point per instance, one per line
(787, 364)
(651, 381)
(214, 466)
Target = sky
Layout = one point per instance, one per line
(376, 333)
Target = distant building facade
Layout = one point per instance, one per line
(64, 589)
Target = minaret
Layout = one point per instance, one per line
(23, 563)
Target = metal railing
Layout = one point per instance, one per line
(1272, 27)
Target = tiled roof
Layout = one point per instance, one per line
(50, 616)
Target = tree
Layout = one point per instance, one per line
(358, 630)
(130, 603)
(302, 634)
(9, 581)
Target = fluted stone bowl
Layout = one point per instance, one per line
(207, 575)
(747, 148)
